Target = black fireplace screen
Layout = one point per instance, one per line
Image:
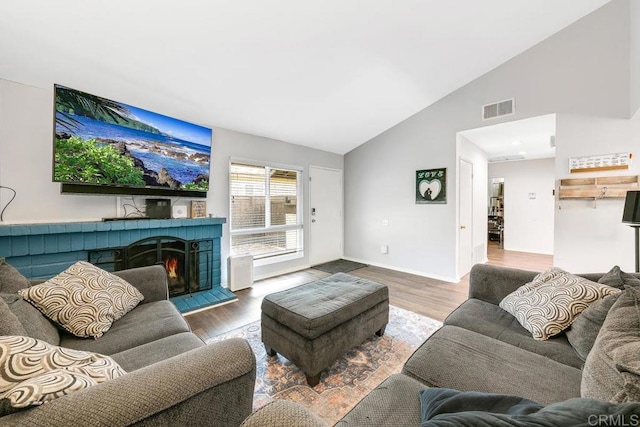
(188, 262)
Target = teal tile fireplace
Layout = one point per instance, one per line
(40, 251)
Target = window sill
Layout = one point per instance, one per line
(277, 259)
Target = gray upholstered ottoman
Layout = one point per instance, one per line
(314, 324)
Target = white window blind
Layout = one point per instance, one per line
(265, 213)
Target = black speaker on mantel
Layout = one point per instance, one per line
(158, 208)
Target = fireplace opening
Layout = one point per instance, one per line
(171, 265)
(176, 273)
(188, 262)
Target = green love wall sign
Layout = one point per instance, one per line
(431, 186)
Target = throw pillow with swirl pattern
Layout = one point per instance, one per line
(33, 372)
(548, 304)
(84, 299)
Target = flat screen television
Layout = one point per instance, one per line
(108, 147)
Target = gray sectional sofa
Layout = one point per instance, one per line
(480, 348)
(172, 378)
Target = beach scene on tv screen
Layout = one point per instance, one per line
(99, 141)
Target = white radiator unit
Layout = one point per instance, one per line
(240, 272)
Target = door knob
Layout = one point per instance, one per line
(313, 220)
(462, 227)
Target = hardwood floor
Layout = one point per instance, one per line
(524, 260)
(429, 297)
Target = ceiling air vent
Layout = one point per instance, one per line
(498, 109)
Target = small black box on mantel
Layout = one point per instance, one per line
(158, 208)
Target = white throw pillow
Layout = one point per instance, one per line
(551, 302)
(84, 299)
(33, 372)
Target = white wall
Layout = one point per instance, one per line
(380, 184)
(26, 150)
(590, 237)
(26, 132)
(582, 70)
(528, 223)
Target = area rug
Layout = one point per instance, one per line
(349, 379)
(339, 266)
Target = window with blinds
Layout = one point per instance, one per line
(265, 217)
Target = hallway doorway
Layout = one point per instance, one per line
(521, 211)
(495, 217)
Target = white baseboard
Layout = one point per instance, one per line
(451, 280)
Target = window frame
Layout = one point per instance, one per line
(270, 259)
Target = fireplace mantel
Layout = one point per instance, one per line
(44, 250)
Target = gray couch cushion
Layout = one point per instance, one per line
(151, 281)
(395, 402)
(583, 332)
(11, 281)
(492, 321)
(491, 283)
(34, 323)
(612, 369)
(143, 324)
(283, 413)
(9, 323)
(464, 360)
(317, 307)
(617, 278)
(155, 351)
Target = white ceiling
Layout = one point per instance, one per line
(328, 74)
(526, 139)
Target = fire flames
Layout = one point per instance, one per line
(171, 264)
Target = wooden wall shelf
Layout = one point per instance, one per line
(598, 188)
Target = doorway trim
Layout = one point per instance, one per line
(469, 228)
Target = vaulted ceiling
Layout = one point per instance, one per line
(328, 74)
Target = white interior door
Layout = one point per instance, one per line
(465, 223)
(325, 213)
